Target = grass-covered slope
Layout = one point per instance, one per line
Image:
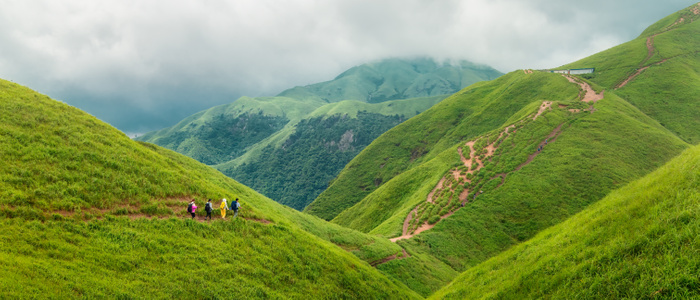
(639, 242)
(658, 72)
(178, 259)
(473, 111)
(87, 212)
(588, 156)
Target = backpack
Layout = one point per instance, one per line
(208, 207)
(189, 208)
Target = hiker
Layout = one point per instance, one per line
(191, 208)
(223, 207)
(208, 208)
(234, 206)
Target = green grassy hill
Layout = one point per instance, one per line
(290, 146)
(473, 111)
(663, 67)
(639, 242)
(87, 212)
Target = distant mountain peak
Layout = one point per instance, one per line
(397, 78)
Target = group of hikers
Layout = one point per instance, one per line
(235, 205)
(542, 146)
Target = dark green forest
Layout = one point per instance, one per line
(310, 158)
(225, 138)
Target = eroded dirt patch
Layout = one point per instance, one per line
(545, 105)
(587, 93)
(390, 258)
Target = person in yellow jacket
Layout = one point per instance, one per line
(223, 208)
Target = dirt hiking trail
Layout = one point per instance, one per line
(643, 66)
(177, 205)
(473, 164)
(545, 105)
(587, 93)
(390, 258)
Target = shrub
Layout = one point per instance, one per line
(434, 219)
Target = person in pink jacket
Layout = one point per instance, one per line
(192, 208)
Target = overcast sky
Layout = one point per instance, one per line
(144, 65)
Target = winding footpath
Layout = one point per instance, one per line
(390, 258)
(642, 68)
(587, 93)
(474, 163)
(133, 212)
(651, 50)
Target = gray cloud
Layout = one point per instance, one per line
(144, 65)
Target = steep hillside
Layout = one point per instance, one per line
(290, 146)
(521, 190)
(79, 198)
(659, 72)
(223, 133)
(638, 242)
(489, 192)
(473, 111)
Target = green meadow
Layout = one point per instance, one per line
(594, 154)
(118, 257)
(639, 242)
(668, 89)
(87, 212)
